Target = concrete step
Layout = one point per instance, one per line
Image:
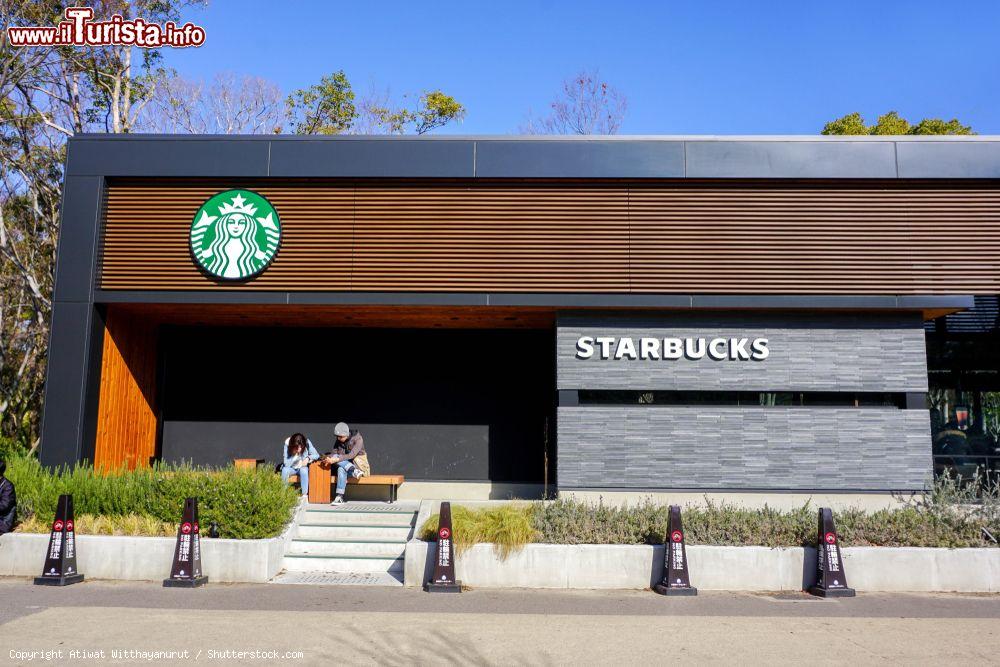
(365, 532)
(331, 517)
(345, 564)
(347, 547)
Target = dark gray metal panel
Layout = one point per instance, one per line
(91, 394)
(579, 159)
(790, 159)
(797, 302)
(935, 302)
(390, 298)
(782, 449)
(916, 400)
(595, 300)
(228, 158)
(69, 386)
(949, 159)
(558, 300)
(418, 451)
(75, 263)
(806, 353)
(373, 158)
(569, 397)
(194, 297)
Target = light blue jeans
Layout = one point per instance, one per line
(303, 473)
(344, 470)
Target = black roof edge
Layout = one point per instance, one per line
(520, 157)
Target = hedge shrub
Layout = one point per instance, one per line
(569, 522)
(246, 504)
(954, 513)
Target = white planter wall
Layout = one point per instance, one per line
(714, 568)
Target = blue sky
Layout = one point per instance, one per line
(722, 67)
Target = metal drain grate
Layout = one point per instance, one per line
(787, 595)
(339, 578)
(394, 508)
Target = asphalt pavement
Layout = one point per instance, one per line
(143, 623)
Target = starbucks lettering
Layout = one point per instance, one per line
(718, 349)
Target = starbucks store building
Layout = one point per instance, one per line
(767, 317)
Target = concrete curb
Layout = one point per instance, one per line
(614, 566)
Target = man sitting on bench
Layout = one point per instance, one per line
(349, 456)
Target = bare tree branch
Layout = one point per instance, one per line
(586, 105)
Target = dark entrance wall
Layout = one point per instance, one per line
(432, 404)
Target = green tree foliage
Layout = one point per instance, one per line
(323, 108)
(938, 126)
(331, 107)
(48, 94)
(436, 110)
(893, 124)
(852, 123)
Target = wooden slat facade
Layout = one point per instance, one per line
(347, 316)
(126, 413)
(704, 238)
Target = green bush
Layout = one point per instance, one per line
(9, 448)
(247, 504)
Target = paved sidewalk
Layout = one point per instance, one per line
(353, 625)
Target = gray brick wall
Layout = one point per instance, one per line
(835, 449)
(807, 353)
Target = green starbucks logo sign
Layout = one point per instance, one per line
(235, 234)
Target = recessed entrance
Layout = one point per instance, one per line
(446, 395)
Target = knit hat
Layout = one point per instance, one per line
(341, 429)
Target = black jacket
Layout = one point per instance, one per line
(8, 505)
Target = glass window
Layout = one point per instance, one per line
(963, 361)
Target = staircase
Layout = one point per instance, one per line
(353, 543)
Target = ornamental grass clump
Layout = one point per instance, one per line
(133, 525)
(507, 527)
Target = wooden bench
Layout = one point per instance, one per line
(321, 482)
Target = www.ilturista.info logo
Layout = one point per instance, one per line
(79, 29)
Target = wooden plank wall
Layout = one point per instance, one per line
(127, 415)
(666, 238)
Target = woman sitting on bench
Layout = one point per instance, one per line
(349, 456)
(298, 454)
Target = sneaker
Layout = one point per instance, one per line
(357, 473)
(303, 499)
(339, 500)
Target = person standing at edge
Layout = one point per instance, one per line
(8, 501)
(349, 456)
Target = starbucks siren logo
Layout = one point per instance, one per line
(235, 234)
